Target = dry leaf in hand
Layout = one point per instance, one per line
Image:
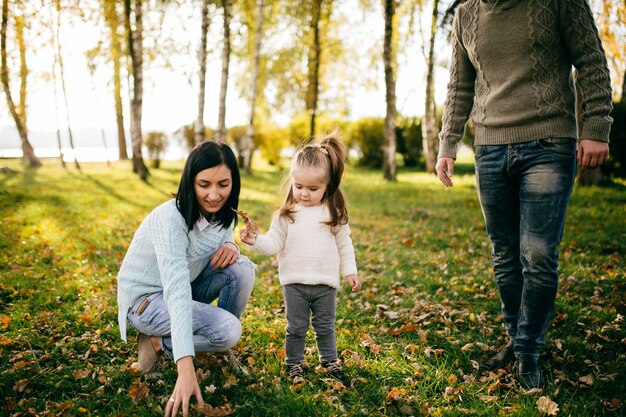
(547, 407)
(251, 227)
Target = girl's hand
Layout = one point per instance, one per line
(186, 386)
(354, 282)
(247, 236)
(225, 255)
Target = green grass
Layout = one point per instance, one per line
(427, 310)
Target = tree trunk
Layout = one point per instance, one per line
(221, 120)
(111, 17)
(315, 51)
(248, 140)
(389, 143)
(28, 154)
(56, 101)
(135, 38)
(430, 141)
(202, 55)
(59, 60)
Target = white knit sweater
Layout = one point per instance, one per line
(165, 256)
(308, 253)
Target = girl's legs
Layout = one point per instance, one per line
(324, 308)
(302, 301)
(297, 309)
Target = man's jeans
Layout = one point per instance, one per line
(524, 190)
(215, 329)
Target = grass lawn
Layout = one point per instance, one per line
(410, 340)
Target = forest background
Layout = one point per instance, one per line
(125, 79)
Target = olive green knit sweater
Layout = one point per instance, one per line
(511, 68)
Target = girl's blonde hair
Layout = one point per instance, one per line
(330, 154)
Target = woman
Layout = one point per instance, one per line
(182, 258)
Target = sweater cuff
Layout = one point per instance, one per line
(596, 130)
(447, 149)
(233, 244)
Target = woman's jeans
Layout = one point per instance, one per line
(215, 329)
(524, 190)
(302, 301)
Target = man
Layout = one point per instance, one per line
(512, 69)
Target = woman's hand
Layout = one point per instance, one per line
(225, 255)
(186, 386)
(354, 282)
(247, 236)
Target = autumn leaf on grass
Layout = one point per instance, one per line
(547, 407)
(5, 322)
(396, 393)
(368, 342)
(208, 410)
(138, 390)
(78, 374)
(586, 380)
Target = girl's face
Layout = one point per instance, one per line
(308, 185)
(213, 187)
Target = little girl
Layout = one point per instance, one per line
(310, 233)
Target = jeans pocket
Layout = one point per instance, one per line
(563, 146)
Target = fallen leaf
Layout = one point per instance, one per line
(587, 380)
(396, 393)
(208, 410)
(547, 407)
(138, 390)
(78, 374)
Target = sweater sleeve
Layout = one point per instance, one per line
(585, 49)
(346, 251)
(273, 241)
(460, 95)
(170, 240)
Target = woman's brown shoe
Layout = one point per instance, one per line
(148, 355)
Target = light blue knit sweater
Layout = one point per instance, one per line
(165, 256)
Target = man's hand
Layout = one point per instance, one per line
(592, 153)
(445, 170)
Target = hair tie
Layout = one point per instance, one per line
(322, 149)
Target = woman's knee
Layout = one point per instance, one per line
(243, 270)
(221, 334)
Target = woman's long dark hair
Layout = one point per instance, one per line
(208, 155)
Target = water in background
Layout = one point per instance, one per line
(94, 154)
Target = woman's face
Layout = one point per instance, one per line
(213, 187)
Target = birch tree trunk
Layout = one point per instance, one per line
(28, 154)
(112, 21)
(430, 141)
(56, 99)
(135, 39)
(220, 134)
(389, 143)
(315, 51)
(202, 56)
(59, 61)
(248, 141)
